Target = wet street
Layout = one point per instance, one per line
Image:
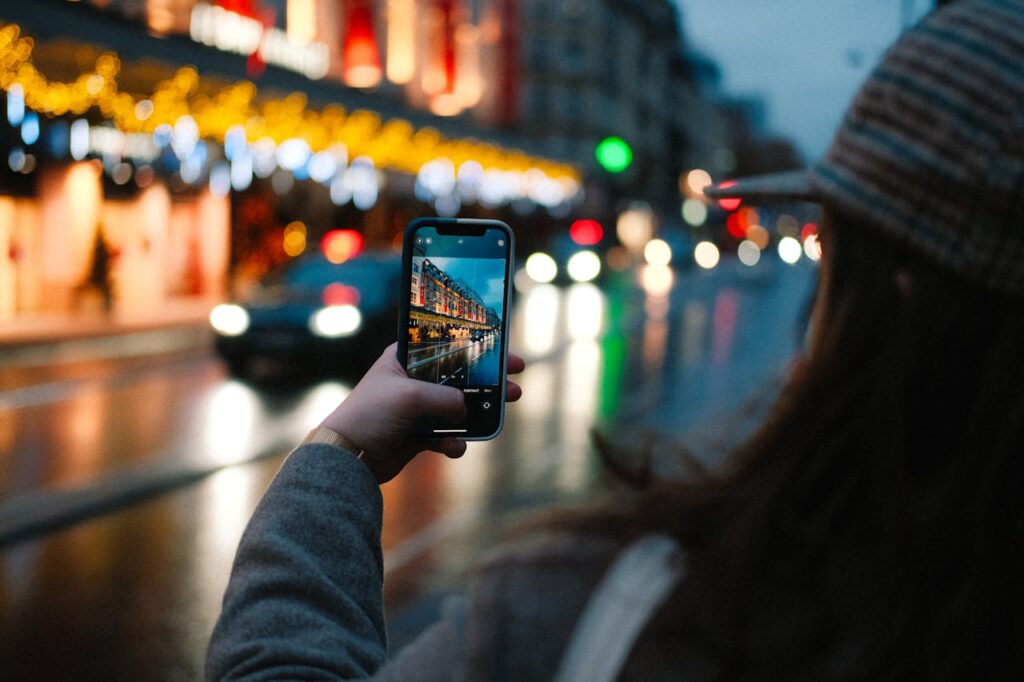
(125, 483)
(459, 362)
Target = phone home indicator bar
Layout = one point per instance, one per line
(450, 430)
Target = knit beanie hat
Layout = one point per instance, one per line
(931, 152)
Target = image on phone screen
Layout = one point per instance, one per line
(455, 326)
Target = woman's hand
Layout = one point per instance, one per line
(384, 405)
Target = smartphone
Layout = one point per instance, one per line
(453, 326)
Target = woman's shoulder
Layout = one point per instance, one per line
(526, 598)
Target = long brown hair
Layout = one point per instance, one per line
(873, 527)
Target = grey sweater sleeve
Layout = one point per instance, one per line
(305, 598)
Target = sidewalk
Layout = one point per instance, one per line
(52, 353)
(44, 328)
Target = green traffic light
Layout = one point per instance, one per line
(614, 154)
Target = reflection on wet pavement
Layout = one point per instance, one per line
(131, 595)
(458, 363)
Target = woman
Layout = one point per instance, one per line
(872, 528)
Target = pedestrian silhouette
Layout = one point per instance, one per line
(99, 277)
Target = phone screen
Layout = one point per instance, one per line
(455, 329)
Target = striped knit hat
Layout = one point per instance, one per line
(932, 150)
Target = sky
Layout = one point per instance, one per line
(805, 57)
(485, 275)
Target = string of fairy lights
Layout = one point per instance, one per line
(185, 111)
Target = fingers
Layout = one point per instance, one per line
(513, 392)
(426, 399)
(516, 364)
(389, 360)
(453, 448)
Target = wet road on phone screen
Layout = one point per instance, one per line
(459, 362)
(125, 483)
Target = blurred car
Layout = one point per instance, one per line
(313, 315)
(563, 261)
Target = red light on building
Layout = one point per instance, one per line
(337, 293)
(441, 68)
(360, 57)
(439, 25)
(247, 8)
(729, 204)
(341, 245)
(586, 232)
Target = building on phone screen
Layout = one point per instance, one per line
(445, 308)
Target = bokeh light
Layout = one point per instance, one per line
(748, 253)
(341, 245)
(294, 242)
(759, 235)
(614, 154)
(584, 312)
(229, 319)
(729, 204)
(706, 254)
(617, 258)
(541, 268)
(336, 294)
(790, 250)
(657, 280)
(586, 232)
(658, 252)
(695, 212)
(787, 225)
(735, 225)
(584, 266)
(335, 321)
(812, 248)
(635, 227)
(697, 180)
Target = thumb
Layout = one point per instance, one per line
(432, 400)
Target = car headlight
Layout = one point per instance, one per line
(336, 321)
(541, 268)
(584, 266)
(229, 319)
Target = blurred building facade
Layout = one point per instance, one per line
(593, 69)
(158, 148)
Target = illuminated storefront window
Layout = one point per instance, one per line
(360, 58)
(301, 25)
(401, 41)
(168, 16)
